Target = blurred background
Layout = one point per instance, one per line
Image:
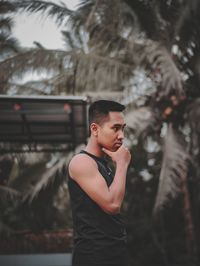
(146, 55)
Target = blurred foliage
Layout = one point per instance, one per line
(146, 55)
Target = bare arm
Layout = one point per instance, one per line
(117, 189)
(84, 171)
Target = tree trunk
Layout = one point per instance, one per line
(189, 225)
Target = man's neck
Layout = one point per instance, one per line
(93, 148)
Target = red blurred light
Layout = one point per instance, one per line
(66, 107)
(17, 107)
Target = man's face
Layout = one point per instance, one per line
(110, 133)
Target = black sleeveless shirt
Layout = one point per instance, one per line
(98, 236)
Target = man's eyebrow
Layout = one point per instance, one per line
(119, 125)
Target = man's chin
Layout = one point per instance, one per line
(114, 147)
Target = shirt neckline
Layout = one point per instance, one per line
(94, 156)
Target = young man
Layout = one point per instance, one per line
(96, 193)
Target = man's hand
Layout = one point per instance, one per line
(122, 155)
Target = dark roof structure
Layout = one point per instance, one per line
(42, 123)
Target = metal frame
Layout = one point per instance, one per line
(26, 121)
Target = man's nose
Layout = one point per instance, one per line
(121, 135)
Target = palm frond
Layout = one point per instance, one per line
(8, 45)
(113, 57)
(101, 73)
(189, 19)
(161, 62)
(174, 167)
(27, 171)
(110, 37)
(49, 9)
(91, 14)
(6, 24)
(8, 193)
(106, 94)
(89, 70)
(70, 40)
(149, 54)
(6, 7)
(60, 83)
(41, 87)
(140, 119)
(50, 182)
(105, 33)
(39, 45)
(35, 59)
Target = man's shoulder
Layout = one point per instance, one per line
(81, 161)
(79, 157)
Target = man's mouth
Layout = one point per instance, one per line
(118, 144)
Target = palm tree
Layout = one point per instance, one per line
(8, 44)
(8, 48)
(112, 46)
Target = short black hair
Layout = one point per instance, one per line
(101, 108)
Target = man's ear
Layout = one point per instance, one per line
(94, 129)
